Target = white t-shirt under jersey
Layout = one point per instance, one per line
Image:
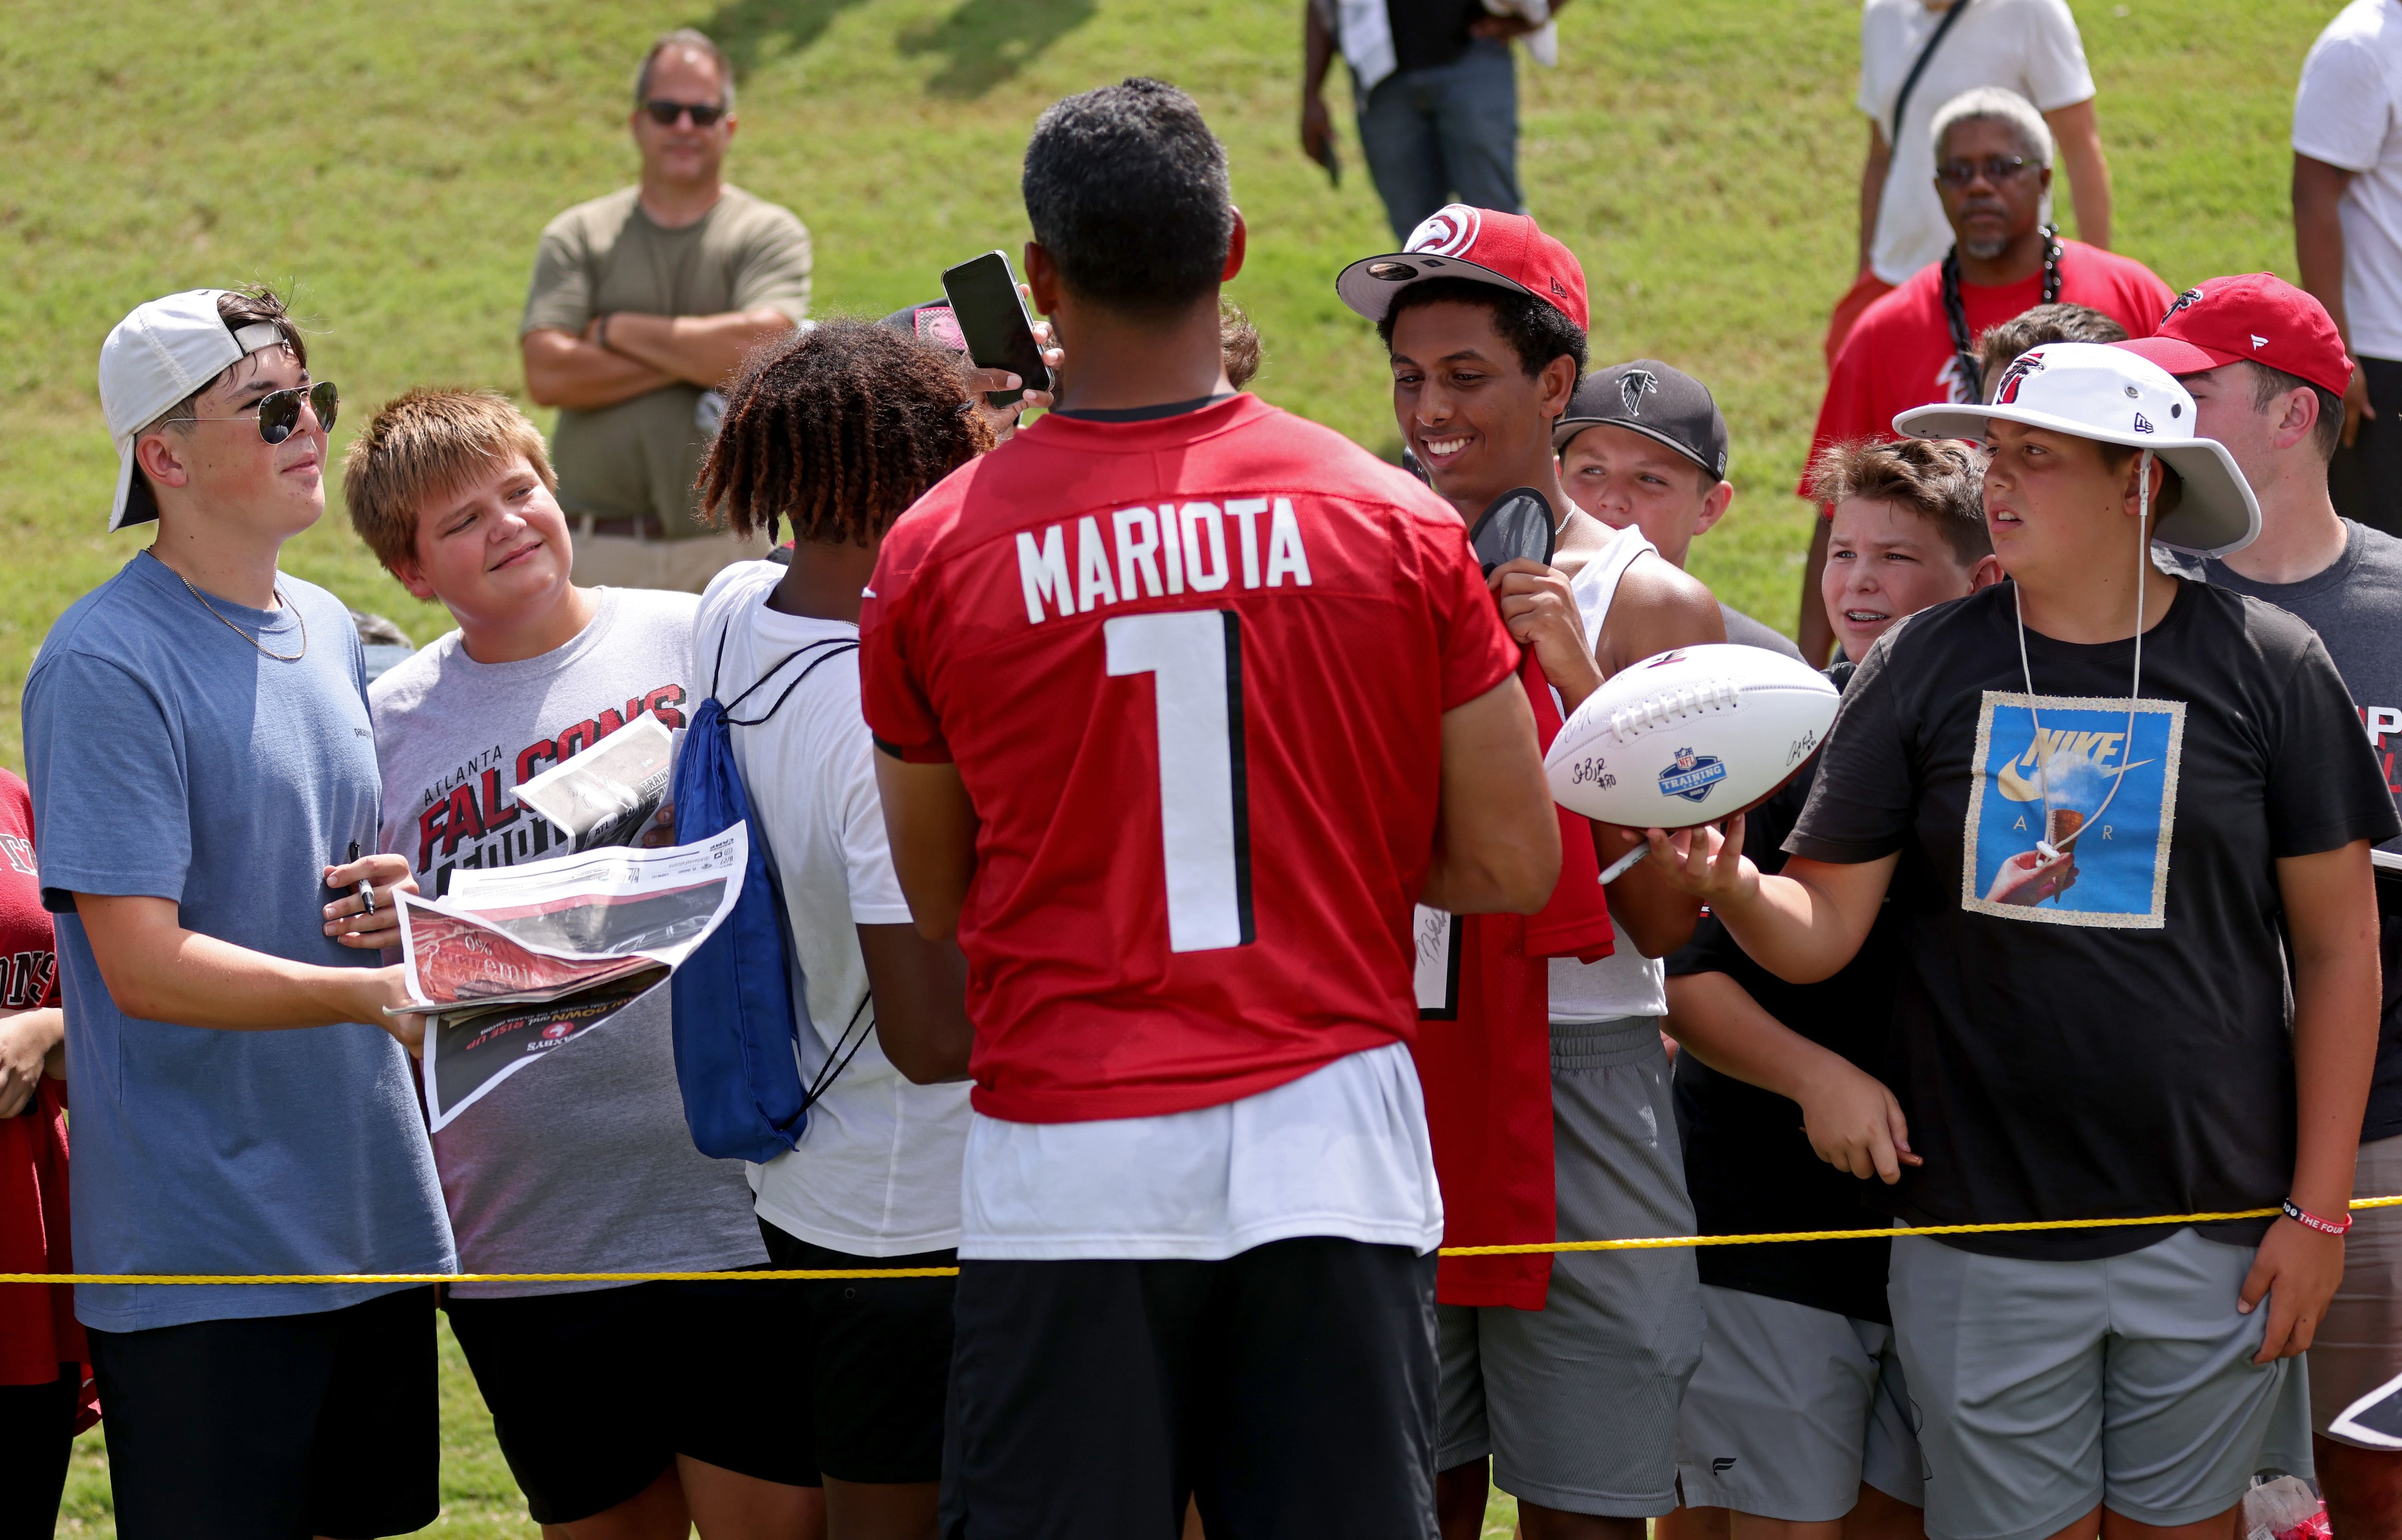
(1626, 983)
(2029, 46)
(2348, 113)
(877, 1172)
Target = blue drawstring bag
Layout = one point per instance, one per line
(736, 1014)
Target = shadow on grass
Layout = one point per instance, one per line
(747, 29)
(985, 42)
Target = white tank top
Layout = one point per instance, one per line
(1626, 983)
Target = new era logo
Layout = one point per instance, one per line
(2143, 423)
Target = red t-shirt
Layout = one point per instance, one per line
(37, 1324)
(1899, 353)
(1205, 767)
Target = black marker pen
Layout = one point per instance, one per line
(367, 889)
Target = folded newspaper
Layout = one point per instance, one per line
(606, 794)
(516, 961)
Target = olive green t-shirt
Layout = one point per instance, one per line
(640, 456)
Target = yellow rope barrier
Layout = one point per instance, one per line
(1648, 1243)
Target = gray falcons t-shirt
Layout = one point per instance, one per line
(2355, 606)
(580, 1163)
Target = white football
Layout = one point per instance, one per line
(1692, 735)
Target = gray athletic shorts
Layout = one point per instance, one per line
(2358, 1347)
(2044, 1388)
(1577, 1402)
(1792, 1409)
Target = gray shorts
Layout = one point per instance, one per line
(1793, 1411)
(2045, 1388)
(1577, 1402)
(2358, 1347)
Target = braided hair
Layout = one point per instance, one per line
(839, 430)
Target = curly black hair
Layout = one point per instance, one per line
(839, 430)
(1536, 330)
(1125, 187)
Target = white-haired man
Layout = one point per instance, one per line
(643, 303)
(1993, 158)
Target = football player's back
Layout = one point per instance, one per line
(1182, 703)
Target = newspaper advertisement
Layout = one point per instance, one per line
(517, 961)
(607, 793)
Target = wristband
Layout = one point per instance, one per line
(2300, 1216)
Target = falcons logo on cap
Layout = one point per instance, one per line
(2021, 369)
(1447, 232)
(2184, 301)
(1633, 386)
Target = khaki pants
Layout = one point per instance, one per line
(630, 561)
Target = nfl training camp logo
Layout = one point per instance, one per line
(1692, 776)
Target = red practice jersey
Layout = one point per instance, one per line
(1899, 355)
(1193, 672)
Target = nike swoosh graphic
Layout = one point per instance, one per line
(2010, 784)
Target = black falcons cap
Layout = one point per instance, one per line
(1656, 400)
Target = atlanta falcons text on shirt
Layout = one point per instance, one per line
(469, 817)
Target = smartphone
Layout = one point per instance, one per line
(992, 316)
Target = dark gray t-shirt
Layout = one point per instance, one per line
(2107, 1040)
(1741, 627)
(2355, 606)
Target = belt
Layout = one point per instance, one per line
(636, 526)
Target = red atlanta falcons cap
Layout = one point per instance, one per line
(1509, 251)
(2259, 316)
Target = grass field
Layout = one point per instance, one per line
(391, 167)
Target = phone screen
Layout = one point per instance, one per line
(983, 292)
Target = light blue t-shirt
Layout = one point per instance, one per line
(170, 758)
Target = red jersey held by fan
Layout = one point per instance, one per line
(1899, 355)
(1192, 671)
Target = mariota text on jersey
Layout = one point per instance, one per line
(1194, 555)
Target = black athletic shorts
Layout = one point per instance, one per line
(275, 1426)
(880, 1357)
(594, 1394)
(1291, 1389)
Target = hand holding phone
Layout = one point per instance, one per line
(995, 324)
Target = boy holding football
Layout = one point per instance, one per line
(2119, 814)
(1796, 1426)
(1119, 672)
(1485, 344)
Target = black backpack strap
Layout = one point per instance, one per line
(834, 647)
(1918, 67)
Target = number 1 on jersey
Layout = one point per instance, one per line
(1195, 661)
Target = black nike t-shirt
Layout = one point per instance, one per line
(2108, 1039)
(1748, 1165)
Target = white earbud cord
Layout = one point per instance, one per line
(2043, 844)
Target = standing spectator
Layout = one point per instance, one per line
(1437, 94)
(643, 304)
(1643, 444)
(2267, 371)
(635, 1408)
(1917, 344)
(2348, 240)
(201, 760)
(45, 1383)
(1935, 49)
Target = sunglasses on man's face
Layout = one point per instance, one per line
(279, 414)
(704, 114)
(1996, 169)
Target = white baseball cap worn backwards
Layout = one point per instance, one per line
(2103, 391)
(161, 352)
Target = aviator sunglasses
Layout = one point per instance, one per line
(704, 114)
(1996, 169)
(279, 414)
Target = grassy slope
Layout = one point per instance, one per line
(392, 170)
